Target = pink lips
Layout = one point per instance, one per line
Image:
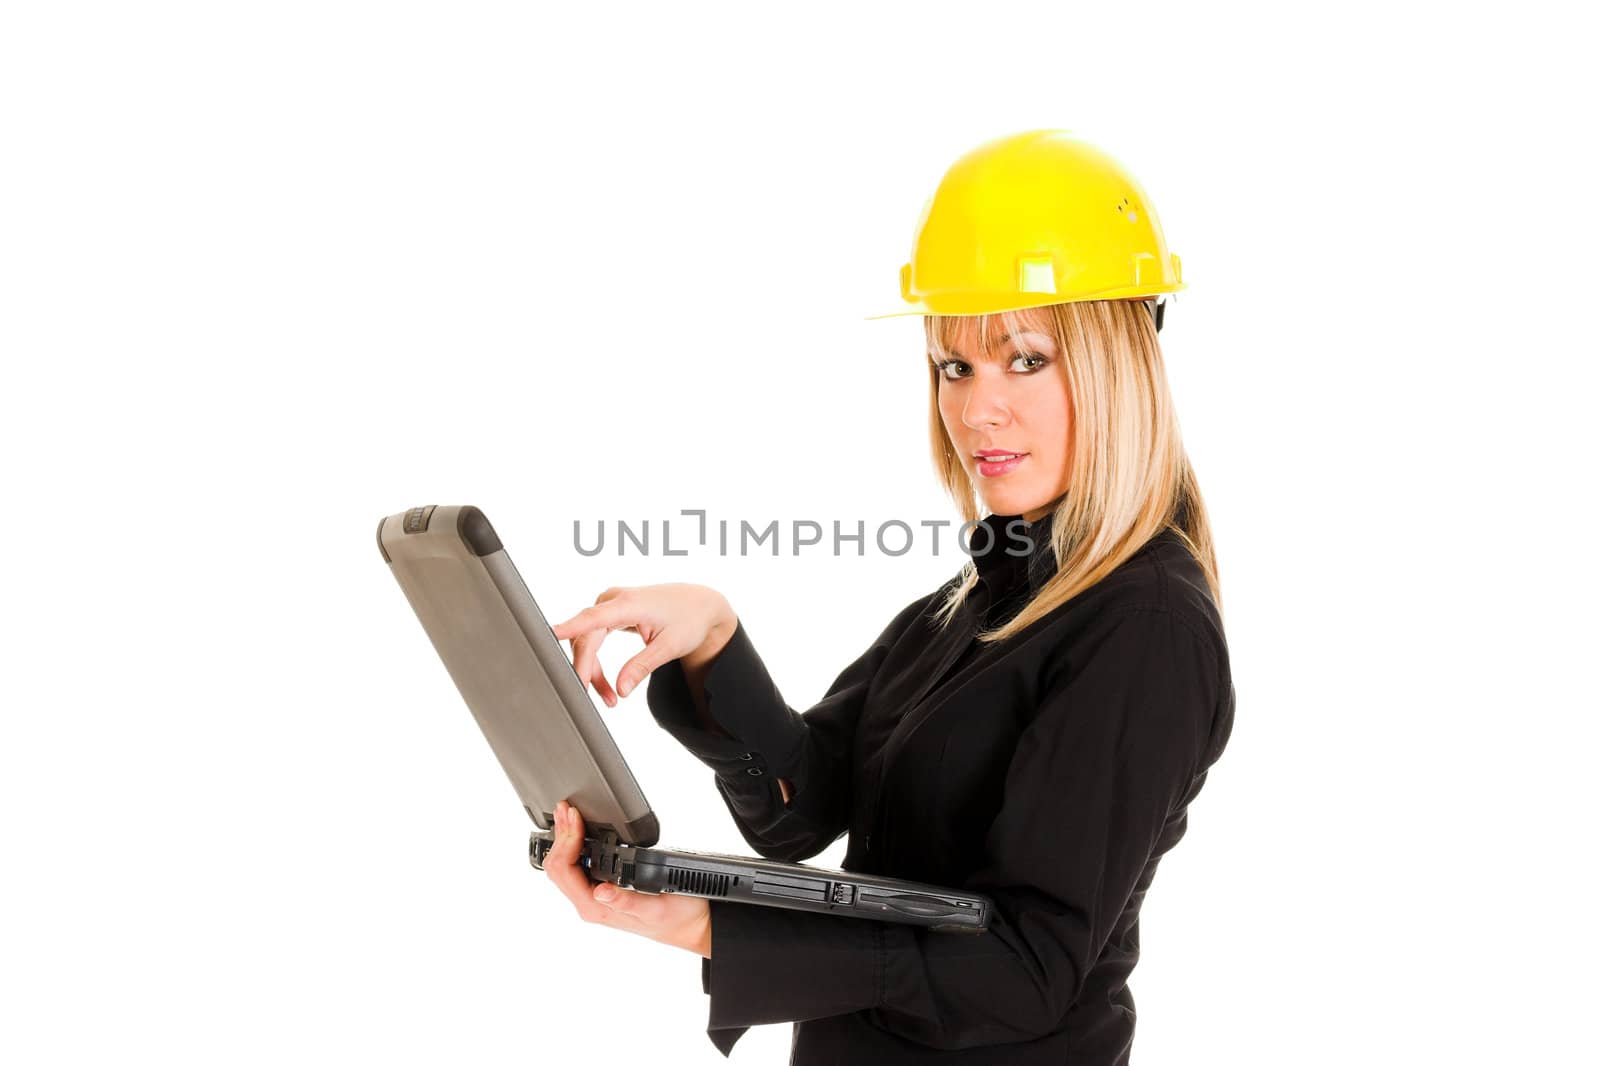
(996, 469)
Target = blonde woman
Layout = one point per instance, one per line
(1035, 728)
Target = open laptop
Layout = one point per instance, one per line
(553, 743)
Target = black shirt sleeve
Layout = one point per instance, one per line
(768, 740)
(1120, 740)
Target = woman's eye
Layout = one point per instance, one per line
(954, 369)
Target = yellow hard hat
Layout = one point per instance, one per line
(1032, 219)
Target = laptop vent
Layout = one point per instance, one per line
(699, 882)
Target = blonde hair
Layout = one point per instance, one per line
(1128, 474)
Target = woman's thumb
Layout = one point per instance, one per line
(635, 670)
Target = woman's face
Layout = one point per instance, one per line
(1011, 399)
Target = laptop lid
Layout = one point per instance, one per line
(511, 670)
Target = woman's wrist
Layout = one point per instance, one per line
(717, 638)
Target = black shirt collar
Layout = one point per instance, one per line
(1018, 554)
(1007, 580)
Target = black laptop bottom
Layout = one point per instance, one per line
(774, 884)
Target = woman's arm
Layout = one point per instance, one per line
(1119, 746)
(696, 664)
(729, 714)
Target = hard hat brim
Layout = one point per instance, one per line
(957, 305)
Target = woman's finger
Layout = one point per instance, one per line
(641, 666)
(608, 612)
(602, 686)
(586, 659)
(561, 864)
(668, 918)
(630, 610)
(573, 627)
(587, 630)
(629, 907)
(560, 853)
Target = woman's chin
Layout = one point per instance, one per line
(1011, 499)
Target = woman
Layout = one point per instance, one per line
(1035, 728)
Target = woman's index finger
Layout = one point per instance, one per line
(570, 628)
(576, 626)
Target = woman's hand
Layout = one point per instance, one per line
(677, 621)
(682, 921)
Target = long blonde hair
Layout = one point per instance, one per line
(1129, 476)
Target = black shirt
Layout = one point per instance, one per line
(1049, 772)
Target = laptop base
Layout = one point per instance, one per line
(773, 884)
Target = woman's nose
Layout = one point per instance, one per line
(985, 404)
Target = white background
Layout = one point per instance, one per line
(270, 272)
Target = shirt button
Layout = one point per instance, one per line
(747, 756)
(754, 771)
